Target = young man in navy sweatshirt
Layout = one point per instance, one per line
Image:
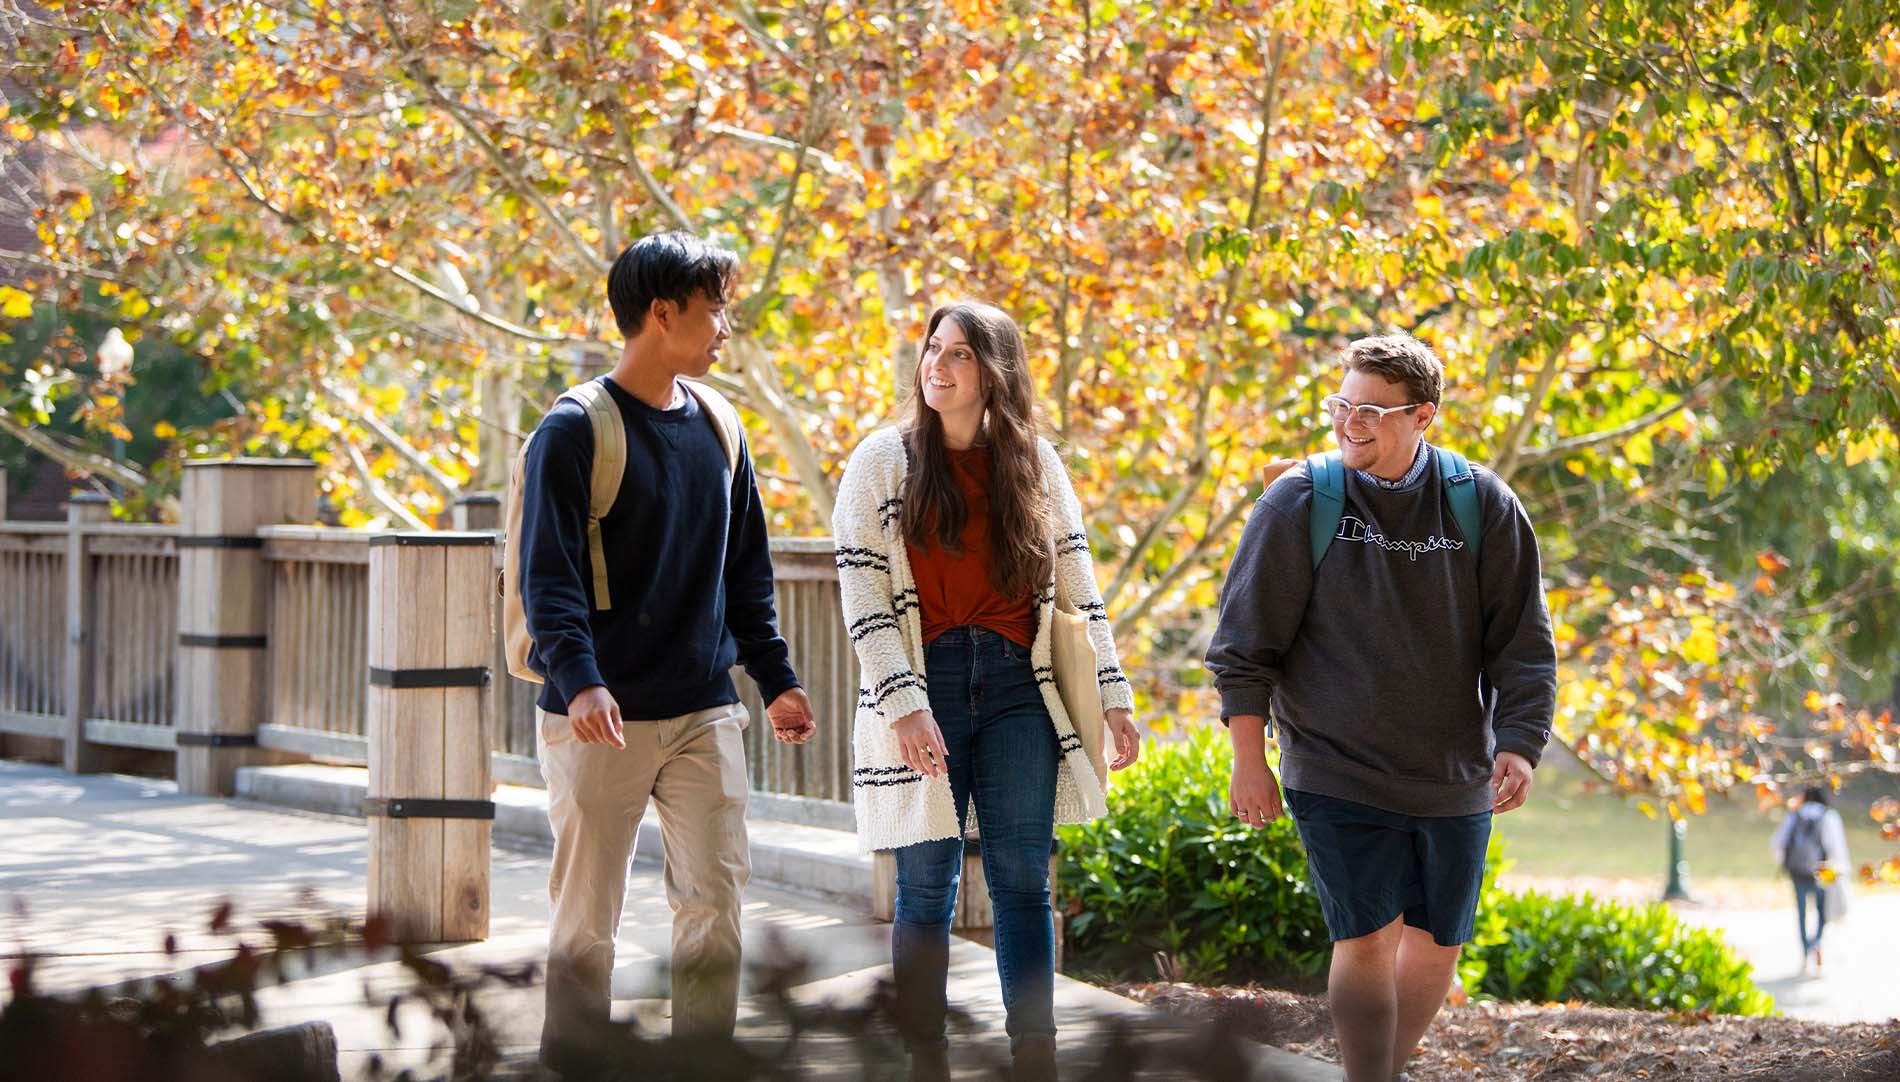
(638, 707)
(1411, 676)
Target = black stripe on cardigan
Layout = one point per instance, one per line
(869, 782)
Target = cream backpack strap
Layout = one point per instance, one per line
(725, 420)
(610, 465)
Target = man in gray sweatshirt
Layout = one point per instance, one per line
(1411, 676)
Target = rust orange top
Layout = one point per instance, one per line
(955, 589)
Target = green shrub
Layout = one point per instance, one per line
(1607, 953)
(1171, 870)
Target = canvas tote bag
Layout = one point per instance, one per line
(1075, 665)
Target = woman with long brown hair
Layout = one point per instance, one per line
(958, 532)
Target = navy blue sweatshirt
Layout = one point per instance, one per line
(688, 566)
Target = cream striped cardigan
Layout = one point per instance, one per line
(895, 805)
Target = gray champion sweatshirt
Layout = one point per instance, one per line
(1397, 669)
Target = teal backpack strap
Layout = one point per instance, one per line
(1461, 490)
(1329, 501)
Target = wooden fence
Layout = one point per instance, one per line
(133, 633)
(119, 605)
(33, 635)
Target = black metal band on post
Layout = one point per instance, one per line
(215, 740)
(223, 642)
(414, 539)
(409, 807)
(477, 676)
(219, 541)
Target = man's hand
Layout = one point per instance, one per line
(1254, 793)
(790, 715)
(920, 742)
(595, 717)
(1121, 725)
(1510, 781)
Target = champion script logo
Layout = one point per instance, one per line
(1355, 529)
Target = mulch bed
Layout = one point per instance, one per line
(1528, 1043)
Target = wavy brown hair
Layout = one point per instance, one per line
(1020, 542)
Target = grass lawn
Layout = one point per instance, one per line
(1566, 831)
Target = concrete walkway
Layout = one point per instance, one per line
(96, 870)
(1862, 955)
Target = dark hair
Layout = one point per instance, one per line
(670, 267)
(1020, 543)
(1815, 794)
(1398, 358)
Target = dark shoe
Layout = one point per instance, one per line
(930, 1065)
(1033, 1059)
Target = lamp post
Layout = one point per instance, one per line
(1677, 889)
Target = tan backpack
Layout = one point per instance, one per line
(610, 464)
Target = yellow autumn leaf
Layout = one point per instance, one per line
(1701, 646)
(164, 430)
(14, 303)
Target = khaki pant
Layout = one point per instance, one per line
(692, 768)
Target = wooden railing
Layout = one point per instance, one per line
(316, 653)
(134, 633)
(33, 633)
(812, 622)
(319, 641)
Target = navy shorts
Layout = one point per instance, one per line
(1370, 866)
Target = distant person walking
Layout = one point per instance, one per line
(1811, 845)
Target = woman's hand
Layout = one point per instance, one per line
(1121, 726)
(920, 742)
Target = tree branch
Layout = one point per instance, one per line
(76, 459)
(1197, 467)
(414, 65)
(761, 378)
(588, 345)
(1218, 528)
(1629, 428)
(1520, 429)
(409, 452)
(28, 259)
(1859, 766)
(763, 295)
(376, 490)
(831, 165)
(747, 18)
(631, 152)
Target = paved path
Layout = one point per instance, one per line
(1860, 981)
(95, 870)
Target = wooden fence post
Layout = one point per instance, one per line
(223, 610)
(430, 806)
(83, 508)
(478, 511)
(3, 493)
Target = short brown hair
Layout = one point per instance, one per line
(1398, 358)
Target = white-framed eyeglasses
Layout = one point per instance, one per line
(1367, 415)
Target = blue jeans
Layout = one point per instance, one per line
(1806, 887)
(1002, 756)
